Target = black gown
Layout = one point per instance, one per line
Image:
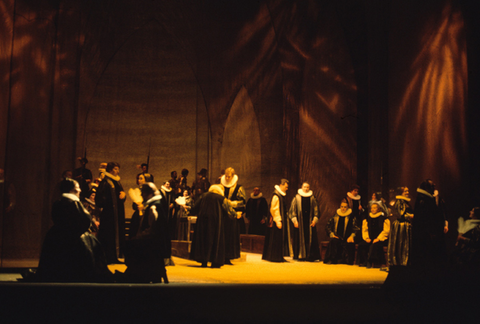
(145, 253)
(276, 245)
(69, 252)
(208, 241)
(112, 219)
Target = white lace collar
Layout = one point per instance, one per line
(111, 176)
(426, 193)
(71, 196)
(256, 197)
(167, 190)
(376, 214)
(348, 212)
(277, 187)
(303, 194)
(229, 184)
(357, 197)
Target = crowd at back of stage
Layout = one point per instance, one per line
(89, 218)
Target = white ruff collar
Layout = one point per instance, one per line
(167, 190)
(229, 184)
(279, 190)
(90, 201)
(70, 196)
(303, 194)
(111, 176)
(153, 199)
(357, 197)
(375, 215)
(403, 198)
(426, 193)
(256, 197)
(348, 212)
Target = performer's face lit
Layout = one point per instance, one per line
(115, 171)
(185, 193)
(141, 179)
(76, 190)
(228, 177)
(284, 187)
(374, 196)
(355, 192)
(406, 193)
(344, 207)
(374, 209)
(167, 185)
(256, 191)
(306, 187)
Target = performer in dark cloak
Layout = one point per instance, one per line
(342, 230)
(304, 215)
(111, 197)
(208, 242)
(375, 230)
(428, 229)
(235, 193)
(277, 238)
(69, 252)
(354, 203)
(169, 205)
(84, 177)
(201, 184)
(257, 213)
(138, 206)
(400, 241)
(145, 253)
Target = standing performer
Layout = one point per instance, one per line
(208, 242)
(304, 215)
(400, 242)
(342, 230)
(111, 197)
(237, 197)
(257, 213)
(277, 238)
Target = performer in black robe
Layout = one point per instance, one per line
(111, 197)
(138, 207)
(169, 206)
(145, 253)
(69, 252)
(354, 203)
(342, 230)
(235, 193)
(257, 213)
(208, 242)
(84, 177)
(428, 229)
(277, 238)
(400, 241)
(304, 215)
(375, 231)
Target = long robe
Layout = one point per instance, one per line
(145, 253)
(235, 194)
(277, 240)
(112, 219)
(256, 211)
(305, 241)
(69, 252)
(208, 241)
(400, 241)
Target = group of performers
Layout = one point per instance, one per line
(357, 235)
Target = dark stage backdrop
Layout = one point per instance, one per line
(369, 92)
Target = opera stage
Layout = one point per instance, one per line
(251, 291)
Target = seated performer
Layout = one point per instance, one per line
(208, 242)
(467, 248)
(375, 230)
(69, 252)
(145, 253)
(341, 229)
(304, 215)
